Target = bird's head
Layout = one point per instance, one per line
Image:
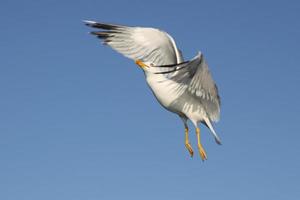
(146, 66)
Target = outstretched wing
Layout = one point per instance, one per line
(137, 43)
(197, 78)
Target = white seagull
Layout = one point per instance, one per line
(185, 88)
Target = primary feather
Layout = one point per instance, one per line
(137, 43)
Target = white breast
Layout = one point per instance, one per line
(166, 91)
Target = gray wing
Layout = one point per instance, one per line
(196, 76)
(139, 43)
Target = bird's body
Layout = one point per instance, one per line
(170, 94)
(184, 88)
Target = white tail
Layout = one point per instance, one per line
(210, 126)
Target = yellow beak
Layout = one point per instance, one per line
(141, 64)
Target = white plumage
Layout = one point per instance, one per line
(185, 88)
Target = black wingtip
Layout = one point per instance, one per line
(102, 35)
(172, 66)
(89, 22)
(100, 25)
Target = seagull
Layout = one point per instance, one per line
(185, 88)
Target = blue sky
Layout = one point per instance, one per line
(79, 122)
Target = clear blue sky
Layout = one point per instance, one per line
(78, 122)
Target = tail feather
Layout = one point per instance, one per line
(213, 132)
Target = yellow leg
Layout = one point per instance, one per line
(200, 148)
(187, 143)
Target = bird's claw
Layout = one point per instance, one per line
(190, 149)
(202, 153)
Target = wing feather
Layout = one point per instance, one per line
(146, 44)
(195, 75)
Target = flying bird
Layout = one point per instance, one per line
(185, 88)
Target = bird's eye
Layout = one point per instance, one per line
(151, 65)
